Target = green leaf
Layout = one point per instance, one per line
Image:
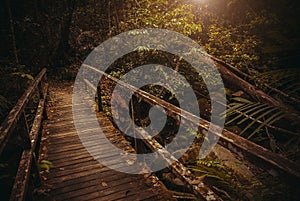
(260, 117)
(257, 111)
(24, 75)
(279, 115)
(47, 162)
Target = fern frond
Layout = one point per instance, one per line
(259, 117)
(279, 115)
(257, 110)
(245, 111)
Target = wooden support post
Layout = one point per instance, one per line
(44, 97)
(99, 98)
(37, 181)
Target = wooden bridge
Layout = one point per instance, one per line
(77, 175)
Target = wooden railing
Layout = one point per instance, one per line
(236, 144)
(16, 125)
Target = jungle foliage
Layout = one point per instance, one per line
(260, 39)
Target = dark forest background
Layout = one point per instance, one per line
(260, 39)
(253, 35)
(257, 39)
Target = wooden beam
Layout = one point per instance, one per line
(20, 186)
(255, 93)
(227, 138)
(19, 190)
(194, 184)
(14, 115)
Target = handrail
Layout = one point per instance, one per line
(192, 183)
(14, 115)
(228, 139)
(16, 118)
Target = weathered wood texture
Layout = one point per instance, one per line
(235, 143)
(254, 92)
(195, 185)
(14, 115)
(77, 175)
(15, 120)
(28, 158)
(236, 71)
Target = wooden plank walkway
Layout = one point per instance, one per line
(77, 175)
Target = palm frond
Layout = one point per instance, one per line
(293, 89)
(246, 113)
(280, 78)
(275, 117)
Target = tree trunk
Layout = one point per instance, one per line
(13, 38)
(240, 73)
(63, 49)
(257, 94)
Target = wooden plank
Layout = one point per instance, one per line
(67, 120)
(107, 177)
(66, 133)
(62, 140)
(68, 164)
(85, 171)
(83, 189)
(73, 147)
(82, 152)
(68, 174)
(106, 156)
(119, 191)
(76, 172)
(66, 185)
(88, 140)
(65, 150)
(63, 106)
(61, 129)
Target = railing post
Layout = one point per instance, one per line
(45, 95)
(35, 170)
(99, 98)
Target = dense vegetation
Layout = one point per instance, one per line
(258, 40)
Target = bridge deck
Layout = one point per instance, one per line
(77, 175)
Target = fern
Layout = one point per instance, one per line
(286, 80)
(242, 111)
(220, 176)
(278, 77)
